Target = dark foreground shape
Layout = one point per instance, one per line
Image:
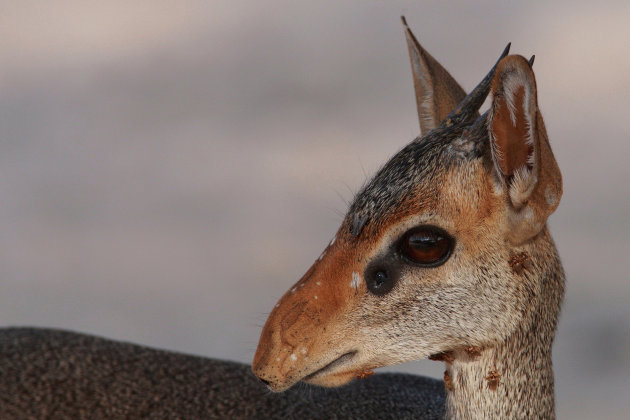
(53, 374)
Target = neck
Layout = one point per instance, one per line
(510, 381)
(513, 379)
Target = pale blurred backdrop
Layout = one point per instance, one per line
(169, 169)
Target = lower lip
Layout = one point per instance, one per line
(340, 361)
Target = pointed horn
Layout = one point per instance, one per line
(469, 107)
(531, 61)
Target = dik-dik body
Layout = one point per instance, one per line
(444, 254)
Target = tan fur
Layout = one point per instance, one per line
(448, 382)
(489, 311)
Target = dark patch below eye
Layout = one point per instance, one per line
(382, 275)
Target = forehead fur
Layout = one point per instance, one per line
(408, 181)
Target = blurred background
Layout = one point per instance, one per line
(169, 169)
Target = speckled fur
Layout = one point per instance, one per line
(62, 375)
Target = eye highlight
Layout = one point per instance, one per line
(426, 245)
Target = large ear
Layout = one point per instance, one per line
(437, 93)
(520, 149)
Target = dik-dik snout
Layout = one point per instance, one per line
(437, 252)
(307, 333)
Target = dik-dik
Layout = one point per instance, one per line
(444, 254)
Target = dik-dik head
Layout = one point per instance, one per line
(423, 262)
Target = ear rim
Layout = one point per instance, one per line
(437, 92)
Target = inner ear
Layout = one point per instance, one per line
(514, 136)
(520, 150)
(513, 132)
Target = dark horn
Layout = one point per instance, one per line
(469, 106)
(479, 129)
(531, 60)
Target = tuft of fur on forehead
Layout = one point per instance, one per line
(411, 174)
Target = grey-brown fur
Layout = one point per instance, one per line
(410, 169)
(53, 374)
(523, 361)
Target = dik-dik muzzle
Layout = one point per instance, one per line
(306, 336)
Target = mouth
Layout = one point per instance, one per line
(341, 361)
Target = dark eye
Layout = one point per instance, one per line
(426, 245)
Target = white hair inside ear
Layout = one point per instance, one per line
(521, 185)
